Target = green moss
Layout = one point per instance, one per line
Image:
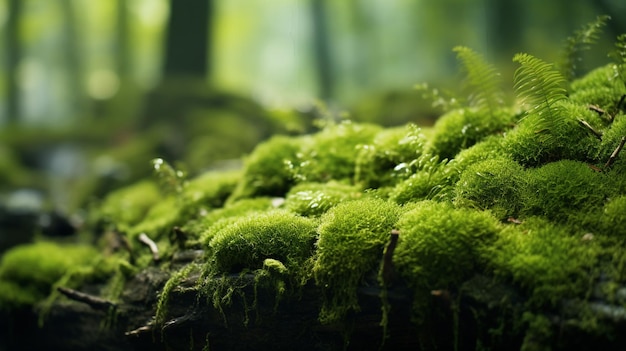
(314, 199)
(207, 191)
(601, 87)
(331, 153)
(128, 206)
(352, 237)
(28, 272)
(432, 180)
(535, 142)
(558, 189)
(248, 241)
(267, 171)
(488, 148)
(440, 246)
(388, 158)
(462, 128)
(496, 184)
(548, 261)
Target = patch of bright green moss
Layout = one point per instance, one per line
(440, 246)
(331, 153)
(248, 241)
(534, 142)
(549, 261)
(128, 206)
(601, 87)
(352, 237)
(433, 180)
(462, 128)
(28, 272)
(388, 158)
(267, 171)
(495, 184)
(314, 199)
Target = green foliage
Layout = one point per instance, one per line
(388, 158)
(439, 247)
(482, 79)
(432, 180)
(488, 148)
(314, 199)
(28, 272)
(207, 226)
(266, 170)
(128, 206)
(172, 181)
(548, 261)
(496, 184)
(248, 241)
(352, 237)
(581, 40)
(600, 87)
(207, 191)
(557, 189)
(619, 55)
(462, 128)
(330, 153)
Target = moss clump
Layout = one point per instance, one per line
(352, 237)
(558, 189)
(28, 272)
(432, 180)
(601, 87)
(495, 184)
(267, 171)
(330, 153)
(248, 241)
(462, 128)
(440, 246)
(549, 261)
(388, 158)
(128, 206)
(208, 190)
(314, 199)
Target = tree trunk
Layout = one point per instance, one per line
(187, 49)
(321, 50)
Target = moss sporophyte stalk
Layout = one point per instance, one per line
(528, 196)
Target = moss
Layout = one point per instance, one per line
(549, 262)
(462, 128)
(352, 236)
(532, 143)
(432, 180)
(314, 199)
(488, 148)
(127, 206)
(558, 189)
(267, 171)
(28, 272)
(249, 240)
(600, 87)
(496, 184)
(331, 153)
(387, 159)
(207, 191)
(610, 141)
(440, 246)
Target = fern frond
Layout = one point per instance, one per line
(482, 78)
(619, 56)
(540, 86)
(580, 41)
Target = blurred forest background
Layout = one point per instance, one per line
(93, 89)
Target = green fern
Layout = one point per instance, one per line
(482, 78)
(541, 87)
(580, 41)
(619, 56)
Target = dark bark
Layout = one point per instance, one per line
(187, 49)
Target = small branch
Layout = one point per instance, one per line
(141, 330)
(590, 128)
(597, 109)
(615, 153)
(388, 273)
(94, 302)
(151, 244)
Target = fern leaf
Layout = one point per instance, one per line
(482, 78)
(540, 86)
(580, 41)
(619, 55)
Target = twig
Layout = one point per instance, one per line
(613, 156)
(141, 330)
(388, 270)
(597, 109)
(94, 302)
(151, 244)
(591, 129)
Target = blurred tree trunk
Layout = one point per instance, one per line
(74, 62)
(187, 51)
(321, 50)
(13, 50)
(122, 41)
